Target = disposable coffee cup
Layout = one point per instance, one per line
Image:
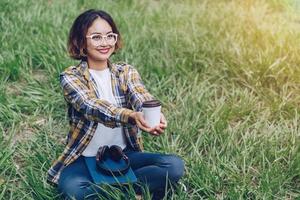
(151, 112)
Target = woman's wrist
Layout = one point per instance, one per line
(132, 118)
(123, 115)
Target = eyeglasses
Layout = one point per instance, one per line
(98, 39)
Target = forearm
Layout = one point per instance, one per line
(103, 112)
(137, 90)
(137, 100)
(80, 97)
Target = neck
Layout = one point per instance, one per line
(97, 65)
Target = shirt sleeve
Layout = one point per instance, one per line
(77, 93)
(137, 91)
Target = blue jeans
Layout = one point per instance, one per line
(151, 169)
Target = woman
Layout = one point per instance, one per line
(104, 108)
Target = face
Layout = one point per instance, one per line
(99, 43)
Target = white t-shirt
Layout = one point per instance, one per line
(104, 135)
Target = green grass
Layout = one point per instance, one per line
(227, 73)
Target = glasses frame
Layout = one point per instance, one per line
(104, 37)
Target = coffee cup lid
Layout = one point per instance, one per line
(151, 103)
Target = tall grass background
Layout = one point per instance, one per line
(227, 73)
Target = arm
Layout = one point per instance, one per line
(137, 95)
(137, 91)
(141, 123)
(79, 96)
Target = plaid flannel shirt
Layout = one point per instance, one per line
(86, 109)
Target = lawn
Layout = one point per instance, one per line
(226, 71)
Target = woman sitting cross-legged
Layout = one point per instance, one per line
(104, 108)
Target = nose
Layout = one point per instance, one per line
(104, 42)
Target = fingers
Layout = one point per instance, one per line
(143, 122)
(141, 126)
(163, 120)
(140, 121)
(162, 126)
(157, 130)
(154, 133)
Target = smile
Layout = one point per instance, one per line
(103, 51)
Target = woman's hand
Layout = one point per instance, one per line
(159, 129)
(142, 124)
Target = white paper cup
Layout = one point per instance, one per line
(151, 112)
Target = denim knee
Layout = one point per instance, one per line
(176, 167)
(72, 188)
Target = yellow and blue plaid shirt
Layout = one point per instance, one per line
(86, 109)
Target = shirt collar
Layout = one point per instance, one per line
(83, 68)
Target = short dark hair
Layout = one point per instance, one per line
(78, 31)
